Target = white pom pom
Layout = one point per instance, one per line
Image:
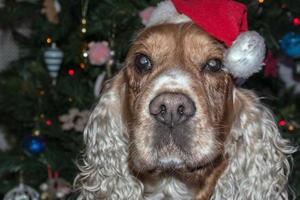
(165, 12)
(245, 56)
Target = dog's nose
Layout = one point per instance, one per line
(172, 108)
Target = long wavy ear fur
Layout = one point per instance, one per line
(104, 167)
(258, 155)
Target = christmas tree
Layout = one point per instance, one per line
(66, 50)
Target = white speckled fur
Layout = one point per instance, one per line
(258, 158)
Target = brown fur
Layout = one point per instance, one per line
(186, 47)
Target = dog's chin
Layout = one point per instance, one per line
(171, 165)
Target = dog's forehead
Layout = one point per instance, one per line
(178, 38)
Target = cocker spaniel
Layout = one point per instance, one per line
(173, 125)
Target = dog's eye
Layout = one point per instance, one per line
(143, 63)
(213, 65)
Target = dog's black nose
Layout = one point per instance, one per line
(172, 109)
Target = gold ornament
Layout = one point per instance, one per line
(49, 40)
(291, 127)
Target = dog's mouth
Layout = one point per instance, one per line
(174, 164)
(170, 163)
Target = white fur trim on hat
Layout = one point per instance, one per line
(245, 56)
(165, 12)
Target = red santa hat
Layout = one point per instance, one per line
(225, 20)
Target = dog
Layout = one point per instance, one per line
(173, 125)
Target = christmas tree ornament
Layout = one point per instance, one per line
(34, 144)
(290, 44)
(53, 57)
(51, 8)
(246, 49)
(22, 192)
(74, 120)
(99, 53)
(55, 188)
(145, 14)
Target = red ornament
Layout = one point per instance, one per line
(71, 72)
(296, 21)
(48, 122)
(282, 122)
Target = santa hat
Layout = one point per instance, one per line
(225, 20)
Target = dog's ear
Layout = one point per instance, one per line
(258, 166)
(104, 166)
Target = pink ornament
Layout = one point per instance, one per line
(145, 14)
(99, 53)
(270, 66)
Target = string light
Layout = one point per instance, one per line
(82, 65)
(85, 54)
(296, 21)
(49, 40)
(36, 132)
(260, 1)
(282, 123)
(42, 116)
(71, 72)
(42, 92)
(83, 30)
(48, 122)
(291, 127)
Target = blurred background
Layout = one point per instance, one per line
(54, 57)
